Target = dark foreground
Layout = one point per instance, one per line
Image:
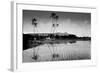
(34, 40)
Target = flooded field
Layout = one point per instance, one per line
(79, 50)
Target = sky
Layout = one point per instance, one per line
(70, 22)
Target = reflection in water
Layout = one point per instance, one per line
(58, 51)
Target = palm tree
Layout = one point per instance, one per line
(34, 23)
(56, 25)
(57, 17)
(53, 15)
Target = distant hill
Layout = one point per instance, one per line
(46, 34)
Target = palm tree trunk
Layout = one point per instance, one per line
(52, 24)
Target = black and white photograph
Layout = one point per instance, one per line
(55, 36)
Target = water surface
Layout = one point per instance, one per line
(79, 50)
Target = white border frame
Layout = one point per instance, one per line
(16, 51)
